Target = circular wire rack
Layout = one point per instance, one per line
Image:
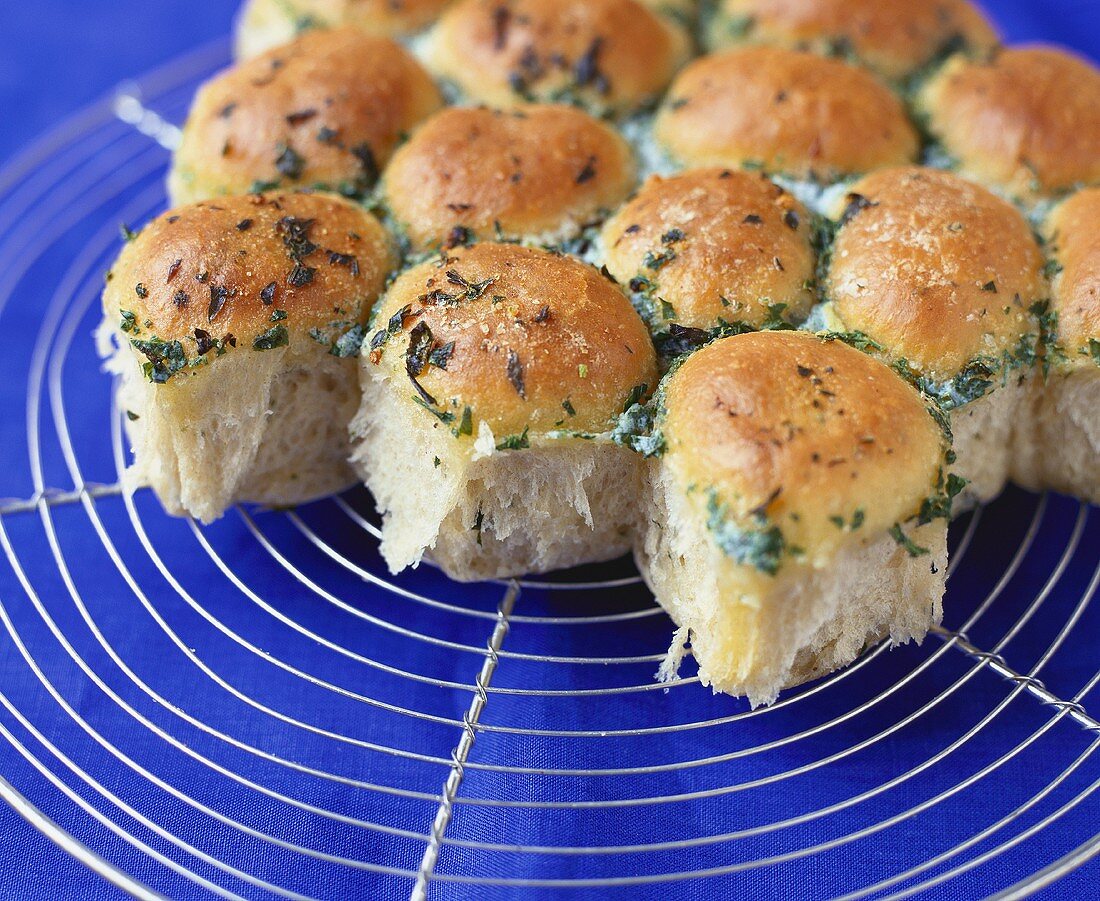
(258, 709)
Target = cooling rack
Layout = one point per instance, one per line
(258, 709)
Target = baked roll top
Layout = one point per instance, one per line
(791, 446)
(712, 247)
(1072, 232)
(523, 340)
(894, 37)
(268, 23)
(937, 270)
(610, 56)
(243, 274)
(786, 112)
(1024, 120)
(536, 171)
(324, 111)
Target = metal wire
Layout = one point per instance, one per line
(524, 660)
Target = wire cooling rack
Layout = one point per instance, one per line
(258, 709)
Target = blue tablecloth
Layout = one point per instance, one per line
(57, 56)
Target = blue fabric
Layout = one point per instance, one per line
(179, 639)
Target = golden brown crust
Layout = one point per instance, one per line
(612, 55)
(789, 112)
(1026, 120)
(532, 171)
(1073, 234)
(894, 37)
(815, 437)
(715, 244)
(936, 269)
(226, 267)
(327, 109)
(385, 18)
(536, 335)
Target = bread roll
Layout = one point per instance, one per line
(268, 23)
(710, 248)
(610, 56)
(1024, 121)
(1057, 439)
(944, 276)
(543, 172)
(232, 327)
(896, 38)
(324, 111)
(786, 112)
(795, 514)
(494, 377)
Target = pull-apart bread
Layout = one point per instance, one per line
(786, 112)
(797, 512)
(234, 328)
(1024, 121)
(326, 111)
(713, 250)
(541, 172)
(945, 281)
(896, 38)
(492, 383)
(1058, 437)
(557, 288)
(268, 23)
(609, 56)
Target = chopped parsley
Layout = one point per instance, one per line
(288, 162)
(465, 424)
(515, 442)
(276, 336)
(163, 358)
(761, 546)
(442, 415)
(914, 550)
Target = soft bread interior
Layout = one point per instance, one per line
(1056, 442)
(268, 427)
(807, 622)
(489, 514)
(982, 432)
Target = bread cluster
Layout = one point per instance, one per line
(554, 290)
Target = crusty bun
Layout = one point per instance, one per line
(233, 323)
(933, 267)
(1072, 233)
(791, 466)
(607, 55)
(714, 246)
(943, 275)
(540, 171)
(324, 111)
(268, 23)
(1057, 437)
(531, 330)
(786, 112)
(490, 388)
(894, 37)
(1025, 120)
